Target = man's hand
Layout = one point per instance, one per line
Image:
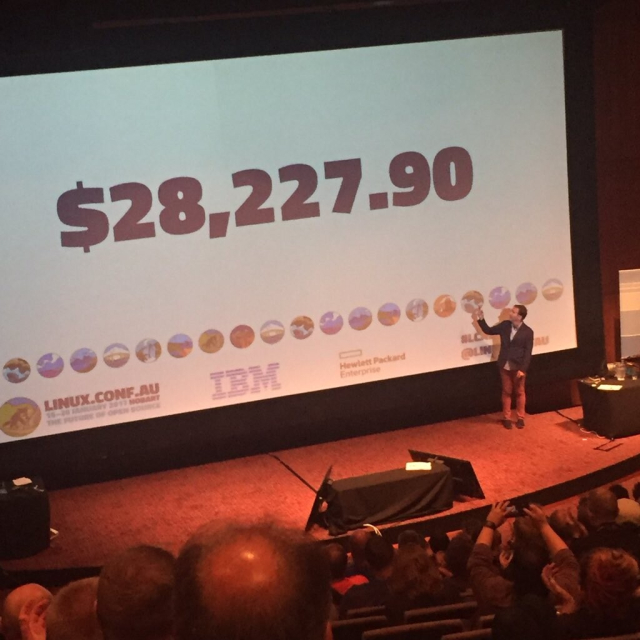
(498, 513)
(537, 515)
(578, 529)
(505, 558)
(521, 374)
(479, 314)
(565, 603)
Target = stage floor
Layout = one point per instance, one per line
(163, 509)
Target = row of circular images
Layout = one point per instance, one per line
(149, 350)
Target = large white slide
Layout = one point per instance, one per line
(187, 236)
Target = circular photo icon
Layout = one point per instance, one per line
(148, 350)
(211, 341)
(417, 310)
(50, 365)
(360, 318)
(19, 417)
(84, 360)
(472, 301)
(180, 345)
(16, 370)
(116, 355)
(499, 297)
(444, 306)
(389, 314)
(331, 322)
(242, 336)
(272, 331)
(301, 327)
(552, 289)
(526, 293)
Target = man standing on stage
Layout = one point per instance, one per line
(516, 343)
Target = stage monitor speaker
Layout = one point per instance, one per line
(316, 515)
(465, 481)
(24, 518)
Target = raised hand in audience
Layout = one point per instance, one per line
(505, 557)
(537, 515)
(580, 531)
(564, 602)
(499, 512)
(497, 516)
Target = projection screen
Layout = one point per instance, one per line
(187, 236)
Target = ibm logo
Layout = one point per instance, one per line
(238, 382)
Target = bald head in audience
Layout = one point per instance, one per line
(72, 612)
(13, 604)
(135, 595)
(257, 582)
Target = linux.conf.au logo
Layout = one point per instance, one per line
(19, 417)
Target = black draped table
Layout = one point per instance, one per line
(614, 414)
(388, 496)
(24, 519)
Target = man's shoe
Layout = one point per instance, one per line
(506, 424)
(520, 423)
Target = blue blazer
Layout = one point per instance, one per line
(517, 351)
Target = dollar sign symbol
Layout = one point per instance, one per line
(70, 212)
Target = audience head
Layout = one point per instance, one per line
(135, 595)
(357, 543)
(439, 542)
(583, 513)
(619, 491)
(411, 536)
(379, 554)
(72, 612)
(530, 556)
(250, 582)
(14, 602)
(564, 521)
(609, 582)
(472, 527)
(636, 492)
(602, 507)
(457, 555)
(337, 560)
(628, 512)
(414, 573)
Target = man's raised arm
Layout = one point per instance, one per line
(482, 323)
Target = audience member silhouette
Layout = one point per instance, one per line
(379, 554)
(15, 602)
(415, 582)
(135, 595)
(252, 582)
(601, 512)
(72, 613)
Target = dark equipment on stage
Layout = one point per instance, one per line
(465, 481)
(24, 518)
(322, 495)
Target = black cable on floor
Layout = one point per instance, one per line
(593, 433)
(568, 418)
(293, 471)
